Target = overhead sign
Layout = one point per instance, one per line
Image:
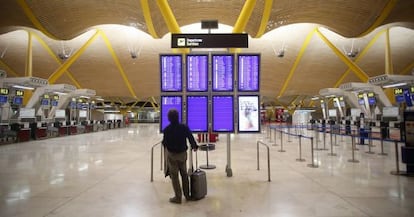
(236, 40)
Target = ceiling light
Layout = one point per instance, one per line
(394, 85)
(23, 87)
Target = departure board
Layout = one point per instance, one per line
(248, 71)
(222, 112)
(197, 113)
(197, 72)
(222, 70)
(167, 103)
(171, 73)
(249, 114)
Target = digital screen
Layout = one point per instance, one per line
(44, 102)
(19, 92)
(223, 114)
(222, 70)
(398, 91)
(171, 72)
(399, 98)
(167, 103)
(46, 96)
(18, 100)
(72, 104)
(56, 97)
(372, 101)
(248, 70)
(54, 103)
(3, 99)
(361, 101)
(4, 91)
(407, 97)
(197, 113)
(249, 114)
(197, 72)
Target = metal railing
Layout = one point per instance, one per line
(152, 159)
(268, 159)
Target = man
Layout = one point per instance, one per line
(175, 142)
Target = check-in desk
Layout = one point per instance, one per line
(41, 133)
(73, 129)
(23, 133)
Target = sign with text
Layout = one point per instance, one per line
(236, 40)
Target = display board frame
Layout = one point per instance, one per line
(164, 111)
(217, 126)
(241, 86)
(164, 87)
(248, 113)
(214, 77)
(196, 119)
(188, 78)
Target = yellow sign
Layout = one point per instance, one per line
(371, 95)
(56, 97)
(19, 92)
(398, 91)
(4, 91)
(360, 95)
(45, 96)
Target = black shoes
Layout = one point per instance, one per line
(175, 200)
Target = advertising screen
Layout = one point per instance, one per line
(167, 103)
(171, 73)
(249, 114)
(197, 113)
(223, 114)
(248, 71)
(222, 72)
(197, 72)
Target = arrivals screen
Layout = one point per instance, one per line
(197, 113)
(167, 103)
(197, 72)
(248, 71)
(222, 70)
(223, 117)
(171, 73)
(249, 114)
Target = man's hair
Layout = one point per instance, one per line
(173, 116)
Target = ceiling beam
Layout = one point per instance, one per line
(8, 68)
(118, 63)
(29, 56)
(168, 15)
(389, 69)
(148, 20)
(265, 17)
(29, 13)
(62, 69)
(359, 57)
(380, 19)
(54, 56)
(297, 61)
(244, 16)
(357, 70)
(408, 69)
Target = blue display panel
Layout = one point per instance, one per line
(223, 114)
(54, 103)
(167, 103)
(249, 117)
(3, 99)
(399, 95)
(171, 73)
(18, 100)
(197, 72)
(44, 102)
(197, 113)
(248, 71)
(222, 70)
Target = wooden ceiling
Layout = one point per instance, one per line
(99, 35)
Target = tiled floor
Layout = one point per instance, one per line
(108, 174)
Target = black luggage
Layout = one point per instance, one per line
(198, 182)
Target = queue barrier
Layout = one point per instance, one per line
(268, 158)
(152, 159)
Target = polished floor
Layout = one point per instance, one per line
(107, 174)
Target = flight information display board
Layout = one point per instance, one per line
(197, 72)
(222, 70)
(222, 112)
(167, 103)
(248, 71)
(249, 114)
(171, 72)
(197, 113)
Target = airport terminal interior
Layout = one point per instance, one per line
(299, 108)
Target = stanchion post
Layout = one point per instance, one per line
(353, 151)
(313, 165)
(382, 148)
(289, 134)
(370, 143)
(281, 141)
(397, 161)
(300, 159)
(258, 164)
(331, 154)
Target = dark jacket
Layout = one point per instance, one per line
(175, 138)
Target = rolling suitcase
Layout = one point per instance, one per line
(198, 182)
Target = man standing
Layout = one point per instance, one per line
(175, 141)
